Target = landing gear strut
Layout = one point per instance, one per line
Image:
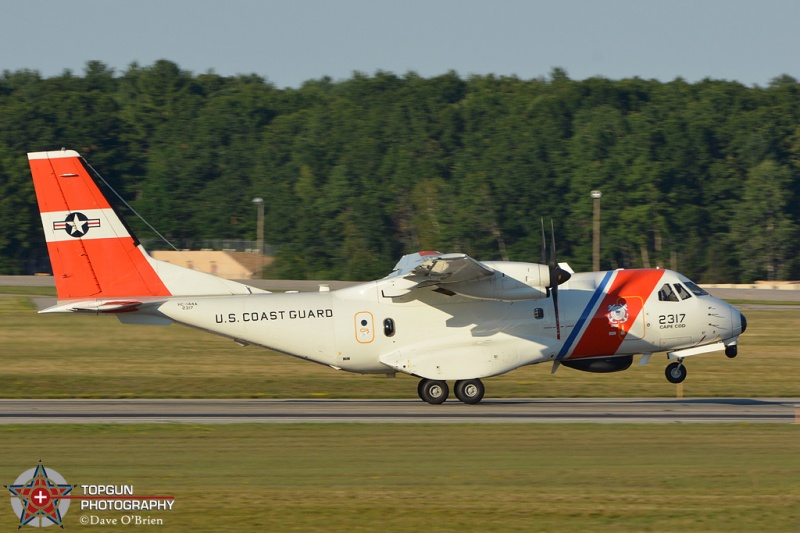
(675, 372)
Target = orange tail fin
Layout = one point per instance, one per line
(93, 253)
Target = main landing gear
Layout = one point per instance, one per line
(435, 391)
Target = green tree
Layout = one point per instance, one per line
(767, 237)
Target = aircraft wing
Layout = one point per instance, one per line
(450, 268)
(460, 274)
(439, 267)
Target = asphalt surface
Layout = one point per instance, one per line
(536, 410)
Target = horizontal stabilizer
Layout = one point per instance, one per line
(101, 306)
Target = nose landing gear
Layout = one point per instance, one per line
(676, 372)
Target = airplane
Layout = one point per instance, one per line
(441, 317)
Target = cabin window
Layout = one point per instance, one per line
(538, 313)
(666, 294)
(388, 327)
(682, 292)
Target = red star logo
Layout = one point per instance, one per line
(40, 497)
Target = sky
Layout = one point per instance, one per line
(288, 42)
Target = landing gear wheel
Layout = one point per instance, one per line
(419, 388)
(732, 351)
(470, 390)
(675, 372)
(433, 391)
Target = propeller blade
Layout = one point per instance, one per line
(553, 270)
(544, 245)
(555, 306)
(557, 274)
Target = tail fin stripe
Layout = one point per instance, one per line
(83, 224)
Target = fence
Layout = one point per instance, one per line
(225, 245)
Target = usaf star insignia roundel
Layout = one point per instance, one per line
(77, 224)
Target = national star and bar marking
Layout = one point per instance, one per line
(77, 224)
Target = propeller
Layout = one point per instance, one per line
(544, 245)
(557, 274)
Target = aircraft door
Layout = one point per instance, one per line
(364, 327)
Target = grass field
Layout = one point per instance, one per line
(32, 290)
(60, 356)
(397, 478)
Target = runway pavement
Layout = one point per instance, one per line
(537, 410)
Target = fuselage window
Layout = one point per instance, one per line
(666, 294)
(538, 313)
(388, 327)
(682, 292)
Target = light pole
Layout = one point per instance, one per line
(596, 242)
(260, 235)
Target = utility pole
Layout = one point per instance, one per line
(260, 236)
(596, 242)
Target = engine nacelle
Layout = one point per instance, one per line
(505, 288)
(512, 282)
(601, 365)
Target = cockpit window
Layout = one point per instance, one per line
(695, 289)
(682, 292)
(666, 294)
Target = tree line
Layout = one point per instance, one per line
(702, 177)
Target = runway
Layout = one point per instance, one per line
(490, 411)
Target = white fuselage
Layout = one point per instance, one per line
(437, 336)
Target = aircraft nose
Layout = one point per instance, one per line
(743, 321)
